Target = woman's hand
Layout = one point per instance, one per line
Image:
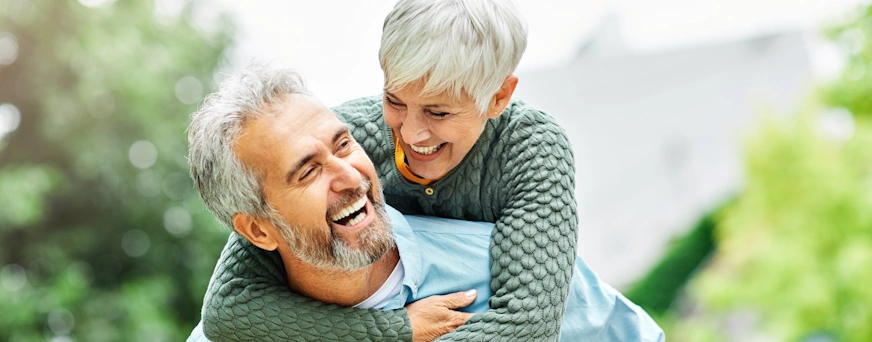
(435, 316)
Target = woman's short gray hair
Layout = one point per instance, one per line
(226, 185)
(457, 46)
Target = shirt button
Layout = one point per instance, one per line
(429, 191)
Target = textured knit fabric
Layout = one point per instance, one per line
(444, 256)
(519, 174)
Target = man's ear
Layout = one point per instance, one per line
(503, 96)
(259, 234)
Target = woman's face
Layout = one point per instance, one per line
(436, 132)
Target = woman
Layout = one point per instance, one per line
(447, 140)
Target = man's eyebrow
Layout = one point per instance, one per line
(341, 131)
(432, 105)
(302, 162)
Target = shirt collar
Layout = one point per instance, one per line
(406, 242)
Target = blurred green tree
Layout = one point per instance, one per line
(796, 248)
(657, 291)
(851, 90)
(102, 237)
(794, 252)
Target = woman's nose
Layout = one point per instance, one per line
(414, 129)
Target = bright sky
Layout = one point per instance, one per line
(335, 43)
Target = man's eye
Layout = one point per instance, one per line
(343, 145)
(307, 173)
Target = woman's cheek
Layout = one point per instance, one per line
(392, 117)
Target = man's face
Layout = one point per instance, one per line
(327, 196)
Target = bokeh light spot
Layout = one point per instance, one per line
(61, 321)
(10, 118)
(135, 243)
(13, 277)
(169, 10)
(95, 3)
(853, 40)
(177, 221)
(143, 154)
(189, 90)
(8, 48)
(148, 183)
(837, 124)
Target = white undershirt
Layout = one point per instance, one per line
(390, 289)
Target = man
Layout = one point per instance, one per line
(288, 176)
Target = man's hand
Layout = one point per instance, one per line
(435, 316)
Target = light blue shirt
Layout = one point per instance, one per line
(442, 256)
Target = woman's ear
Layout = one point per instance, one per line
(503, 96)
(260, 234)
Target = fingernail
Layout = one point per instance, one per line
(470, 293)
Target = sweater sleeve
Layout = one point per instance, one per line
(534, 241)
(248, 300)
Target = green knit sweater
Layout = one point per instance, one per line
(520, 174)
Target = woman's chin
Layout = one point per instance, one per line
(430, 166)
(427, 171)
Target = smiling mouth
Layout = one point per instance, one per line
(352, 214)
(427, 149)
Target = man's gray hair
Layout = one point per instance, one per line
(226, 185)
(457, 46)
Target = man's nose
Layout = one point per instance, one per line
(345, 175)
(414, 128)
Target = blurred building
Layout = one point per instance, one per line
(657, 137)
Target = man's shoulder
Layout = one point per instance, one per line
(420, 224)
(441, 225)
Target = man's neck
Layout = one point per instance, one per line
(338, 287)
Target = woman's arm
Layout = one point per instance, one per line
(248, 300)
(534, 242)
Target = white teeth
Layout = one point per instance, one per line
(356, 220)
(426, 150)
(350, 209)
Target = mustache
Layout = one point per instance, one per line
(349, 196)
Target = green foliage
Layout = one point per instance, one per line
(852, 89)
(30, 184)
(794, 252)
(659, 288)
(102, 237)
(793, 258)
(797, 245)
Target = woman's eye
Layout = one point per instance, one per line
(438, 114)
(391, 102)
